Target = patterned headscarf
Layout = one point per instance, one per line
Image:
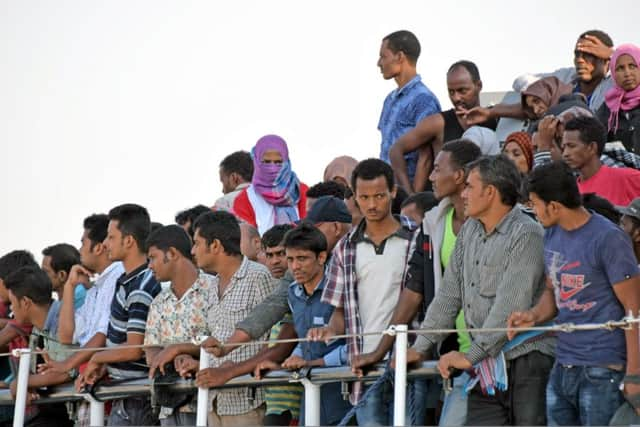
(523, 139)
(617, 98)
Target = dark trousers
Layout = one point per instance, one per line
(523, 403)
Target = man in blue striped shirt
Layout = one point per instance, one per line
(411, 101)
(129, 227)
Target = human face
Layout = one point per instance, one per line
(588, 67)
(272, 157)
(463, 92)
(547, 213)
(389, 62)
(627, 73)
(333, 231)
(626, 223)
(305, 265)
(475, 196)
(159, 264)
(250, 243)
(53, 275)
(536, 105)
(88, 256)
(374, 198)
(354, 210)
(576, 153)
(20, 308)
(445, 177)
(201, 252)
(513, 151)
(226, 181)
(114, 242)
(276, 261)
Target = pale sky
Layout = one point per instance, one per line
(107, 102)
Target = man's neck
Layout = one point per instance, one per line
(573, 219)
(227, 268)
(494, 215)
(312, 284)
(102, 265)
(458, 206)
(184, 277)
(39, 316)
(133, 261)
(587, 88)
(590, 168)
(405, 76)
(382, 228)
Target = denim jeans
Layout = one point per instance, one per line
(179, 419)
(583, 395)
(377, 410)
(454, 410)
(132, 411)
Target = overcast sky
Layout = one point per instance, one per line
(106, 102)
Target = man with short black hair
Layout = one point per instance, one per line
(275, 256)
(236, 171)
(417, 204)
(57, 262)
(186, 218)
(592, 277)
(250, 244)
(325, 188)
(582, 143)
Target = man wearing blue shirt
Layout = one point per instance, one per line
(411, 101)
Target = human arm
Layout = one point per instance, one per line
(544, 311)
(478, 115)
(263, 316)
(75, 359)
(7, 334)
(66, 322)
(594, 46)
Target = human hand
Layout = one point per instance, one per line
(452, 360)
(186, 365)
(215, 347)
(544, 137)
(51, 366)
(78, 275)
(212, 377)
(31, 395)
(519, 319)
(362, 361)
(166, 355)
(324, 333)
(294, 362)
(593, 46)
(264, 366)
(475, 115)
(413, 356)
(632, 394)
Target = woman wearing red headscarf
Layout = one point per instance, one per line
(519, 149)
(621, 110)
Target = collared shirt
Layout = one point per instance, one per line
(490, 275)
(93, 316)
(49, 336)
(129, 309)
(249, 285)
(341, 289)
(225, 203)
(402, 110)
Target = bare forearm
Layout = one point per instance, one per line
(545, 309)
(67, 323)
(404, 313)
(150, 354)
(43, 380)
(78, 358)
(117, 355)
(336, 322)
(507, 110)
(399, 164)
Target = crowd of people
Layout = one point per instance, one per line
(450, 227)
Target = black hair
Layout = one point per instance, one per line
(471, 68)
(189, 215)
(555, 182)
(221, 226)
(275, 235)
(462, 152)
(601, 206)
(155, 226)
(327, 188)
(63, 257)
(600, 35)
(424, 201)
(133, 220)
(500, 172)
(396, 203)
(306, 237)
(370, 169)
(590, 130)
(31, 282)
(96, 226)
(406, 42)
(239, 162)
(15, 260)
(170, 236)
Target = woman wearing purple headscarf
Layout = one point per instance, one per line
(621, 111)
(275, 195)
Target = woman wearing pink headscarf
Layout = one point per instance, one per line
(275, 195)
(621, 110)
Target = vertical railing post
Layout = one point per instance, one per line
(96, 414)
(311, 403)
(400, 382)
(203, 393)
(23, 384)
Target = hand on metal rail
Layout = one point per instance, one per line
(361, 362)
(294, 362)
(51, 366)
(215, 347)
(519, 319)
(413, 356)
(166, 355)
(92, 373)
(325, 334)
(452, 361)
(214, 377)
(264, 367)
(31, 395)
(186, 366)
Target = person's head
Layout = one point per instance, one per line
(485, 138)
(306, 249)
(250, 244)
(492, 182)
(273, 248)
(57, 262)
(625, 63)
(129, 227)
(552, 191)
(325, 188)
(354, 209)
(186, 217)
(417, 204)
(29, 289)
(331, 216)
(582, 141)
(601, 206)
(374, 189)
(398, 50)
(167, 247)
(235, 169)
(464, 85)
(590, 68)
(217, 237)
(538, 97)
(519, 149)
(448, 174)
(93, 253)
(563, 111)
(340, 170)
(11, 262)
(270, 153)
(630, 221)
(398, 200)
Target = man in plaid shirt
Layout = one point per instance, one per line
(367, 272)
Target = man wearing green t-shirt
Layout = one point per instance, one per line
(433, 248)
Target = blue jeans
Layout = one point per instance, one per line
(583, 395)
(454, 410)
(179, 419)
(377, 410)
(132, 411)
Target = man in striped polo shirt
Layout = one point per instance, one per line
(129, 227)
